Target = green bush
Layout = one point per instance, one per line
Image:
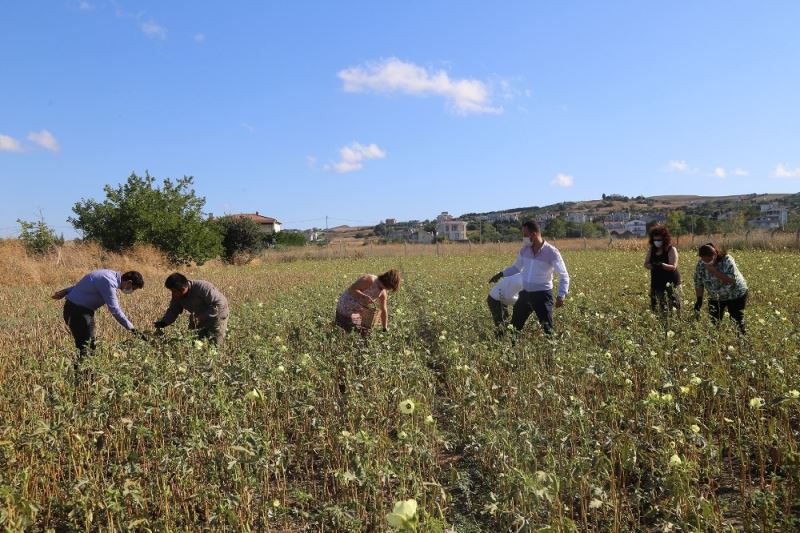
(241, 238)
(289, 238)
(170, 218)
(38, 237)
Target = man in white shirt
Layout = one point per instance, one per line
(500, 297)
(537, 261)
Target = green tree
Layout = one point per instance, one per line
(38, 237)
(289, 238)
(735, 224)
(674, 223)
(381, 230)
(573, 229)
(589, 229)
(485, 231)
(555, 228)
(509, 233)
(793, 224)
(241, 238)
(169, 217)
(701, 225)
(599, 229)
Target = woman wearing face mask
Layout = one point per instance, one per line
(716, 272)
(665, 280)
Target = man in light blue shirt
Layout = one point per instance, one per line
(537, 261)
(94, 290)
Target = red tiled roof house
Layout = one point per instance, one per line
(268, 224)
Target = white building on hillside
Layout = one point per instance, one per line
(578, 218)
(312, 235)
(637, 227)
(618, 216)
(451, 228)
(774, 215)
(502, 217)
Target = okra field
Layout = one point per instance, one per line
(619, 422)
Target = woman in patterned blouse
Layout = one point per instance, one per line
(716, 272)
(367, 300)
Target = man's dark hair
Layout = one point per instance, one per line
(176, 281)
(135, 277)
(532, 226)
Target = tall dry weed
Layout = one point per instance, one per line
(69, 262)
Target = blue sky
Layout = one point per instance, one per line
(369, 110)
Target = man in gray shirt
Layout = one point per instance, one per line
(207, 306)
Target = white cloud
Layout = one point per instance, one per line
(311, 161)
(680, 166)
(9, 144)
(393, 75)
(508, 89)
(249, 127)
(153, 30)
(720, 172)
(353, 155)
(783, 171)
(199, 37)
(44, 139)
(84, 5)
(562, 180)
(740, 172)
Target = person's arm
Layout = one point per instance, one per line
(699, 289)
(109, 295)
(672, 260)
(647, 263)
(356, 290)
(563, 279)
(383, 301)
(173, 311)
(62, 293)
(720, 274)
(516, 267)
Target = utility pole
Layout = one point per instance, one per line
(326, 222)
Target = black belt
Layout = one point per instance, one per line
(78, 307)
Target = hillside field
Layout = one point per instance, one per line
(620, 422)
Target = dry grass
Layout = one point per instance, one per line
(71, 261)
(761, 240)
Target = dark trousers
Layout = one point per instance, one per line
(80, 322)
(499, 312)
(716, 308)
(212, 330)
(663, 300)
(539, 302)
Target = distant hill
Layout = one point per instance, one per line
(710, 207)
(617, 202)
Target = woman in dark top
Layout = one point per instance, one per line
(665, 280)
